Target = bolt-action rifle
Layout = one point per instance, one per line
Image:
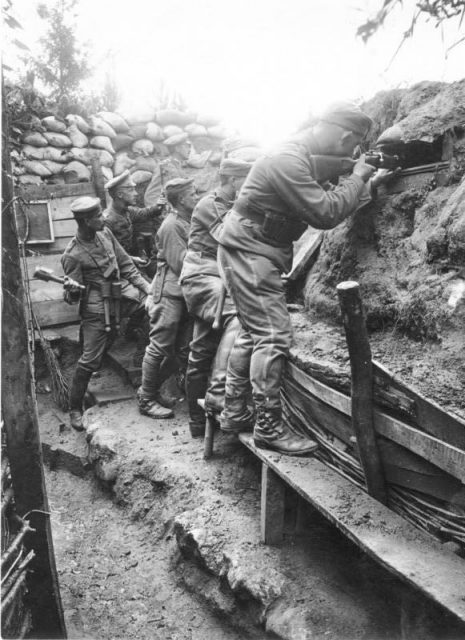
(331, 167)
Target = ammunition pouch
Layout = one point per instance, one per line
(276, 229)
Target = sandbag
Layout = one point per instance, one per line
(248, 154)
(198, 160)
(100, 128)
(122, 162)
(140, 176)
(85, 156)
(37, 168)
(166, 117)
(53, 167)
(138, 130)
(58, 139)
(146, 163)
(143, 147)
(117, 122)
(160, 150)
(52, 123)
(153, 132)
(195, 130)
(137, 116)
(103, 156)
(171, 130)
(28, 178)
(45, 153)
(178, 138)
(18, 170)
(107, 173)
(208, 120)
(35, 139)
(217, 131)
(102, 142)
(121, 141)
(82, 125)
(81, 172)
(78, 139)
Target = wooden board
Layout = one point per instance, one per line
(440, 453)
(37, 192)
(305, 250)
(408, 553)
(52, 312)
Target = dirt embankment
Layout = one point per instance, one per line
(407, 248)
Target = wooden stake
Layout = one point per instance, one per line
(362, 388)
(272, 507)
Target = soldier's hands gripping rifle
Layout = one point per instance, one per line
(331, 167)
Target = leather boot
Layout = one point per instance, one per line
(141, 335)
(77, 392)
(151, 408)
(271, 433)
(196, 386)
(242, 420)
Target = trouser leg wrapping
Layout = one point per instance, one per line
(78, 387)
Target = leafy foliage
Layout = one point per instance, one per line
(64, 63)
(438, 10)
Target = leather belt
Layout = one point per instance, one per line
(252, 214)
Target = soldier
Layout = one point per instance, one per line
(173, 167)
(95, 259)
(122, 212)
(170, 325)
(279, 198)
(202, 286)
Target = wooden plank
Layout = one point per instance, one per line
(425, 413)
(272, 507)
(304, 251)
(336, 399)
(64, 228)
(38, 192)
(61, 208)
(405, 551)
(56, 247)
(447, 457)
(52, 312)
(444, 456)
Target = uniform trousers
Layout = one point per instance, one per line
(257, 290)
(168, 349)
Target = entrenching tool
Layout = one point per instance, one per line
(116, 288)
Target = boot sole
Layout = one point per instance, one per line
(270, 447)
(144, 413)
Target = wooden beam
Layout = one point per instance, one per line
(408, 553)
(272, 507)
(362, 388)
(305, 251)
(21, 426)
(440, 453)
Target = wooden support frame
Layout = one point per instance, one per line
(362, 388)
(272, 507)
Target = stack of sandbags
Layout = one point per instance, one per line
(64, 148)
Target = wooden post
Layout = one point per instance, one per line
(21, 424)
(272, 507)
(98, 181)
(362, 387)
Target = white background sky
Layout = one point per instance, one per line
(261, 65)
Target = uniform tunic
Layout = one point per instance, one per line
(92, 262)
(281, 183)
(121, 223)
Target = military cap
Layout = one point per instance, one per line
(119, 180)
(347, 115)
(234, 167)
(177, 186)
(85, 206)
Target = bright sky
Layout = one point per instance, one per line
(260, 65)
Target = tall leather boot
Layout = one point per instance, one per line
(196, 385)
(237, 415)
(148, 395)
(77, 392)
(142, 339)
(271, 433)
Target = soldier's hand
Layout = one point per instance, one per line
(362, 169)
(161, 203)
(71, 285)
(382, 176)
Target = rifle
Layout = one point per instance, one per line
(42, 273)
(331, 167)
